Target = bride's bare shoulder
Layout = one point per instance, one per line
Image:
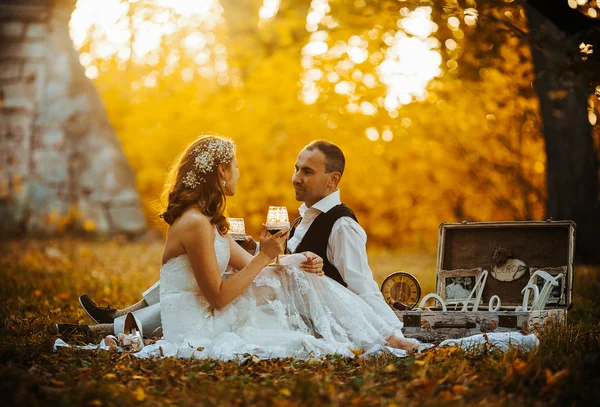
(191, 229)
(192, 220)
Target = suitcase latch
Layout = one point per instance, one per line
(412, 321)
(507, 321)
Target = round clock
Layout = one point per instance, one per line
(401, 290)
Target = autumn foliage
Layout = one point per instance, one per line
(433, 106)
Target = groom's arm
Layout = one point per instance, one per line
(347, 251)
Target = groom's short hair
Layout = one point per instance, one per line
(334, 157)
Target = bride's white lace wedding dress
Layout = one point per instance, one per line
(285, 312)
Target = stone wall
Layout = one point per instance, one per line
(61, 164)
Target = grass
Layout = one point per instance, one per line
(41, 280)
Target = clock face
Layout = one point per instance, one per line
(401, 287)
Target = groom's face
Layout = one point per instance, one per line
(311, 181)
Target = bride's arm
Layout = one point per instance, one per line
(239, 257)
(197, 237)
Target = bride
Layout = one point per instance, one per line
(272, 310)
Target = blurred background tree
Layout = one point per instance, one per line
(432, 102)
(566, 71)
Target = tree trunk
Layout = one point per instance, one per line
(61, 164)
(572, 161)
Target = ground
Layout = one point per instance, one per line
(40, 281)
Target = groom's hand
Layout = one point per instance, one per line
(273, 246)
(249, 244)
(312, 264)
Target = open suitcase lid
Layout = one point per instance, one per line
(463, 247)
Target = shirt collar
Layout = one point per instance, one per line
(324, 205)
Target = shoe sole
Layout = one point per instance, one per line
(86, 311)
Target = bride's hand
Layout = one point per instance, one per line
(273, 245)
(312, 264)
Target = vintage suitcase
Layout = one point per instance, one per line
(509, 253)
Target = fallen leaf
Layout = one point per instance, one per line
(446, 395)
(57, 383)
(357, 401)
(422, 382)
(459, 389)
(285, 392)
(519, 366)
(139, 394)
(554, 378)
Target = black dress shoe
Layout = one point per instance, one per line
(100, 315)
(72, 329)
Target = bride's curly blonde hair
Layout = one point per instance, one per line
(198, 161)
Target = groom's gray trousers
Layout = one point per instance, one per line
(148, 316)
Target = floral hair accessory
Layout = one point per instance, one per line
(208, 156)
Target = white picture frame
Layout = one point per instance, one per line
(558, 295)
(454, 286)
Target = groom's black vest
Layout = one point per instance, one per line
(317, 236)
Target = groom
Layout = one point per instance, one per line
(330, 229)
(325, 227)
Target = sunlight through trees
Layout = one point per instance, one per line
(431, 101)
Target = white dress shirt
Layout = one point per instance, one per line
(347, 251)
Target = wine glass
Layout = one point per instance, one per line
(237, 229)
(277, 219)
